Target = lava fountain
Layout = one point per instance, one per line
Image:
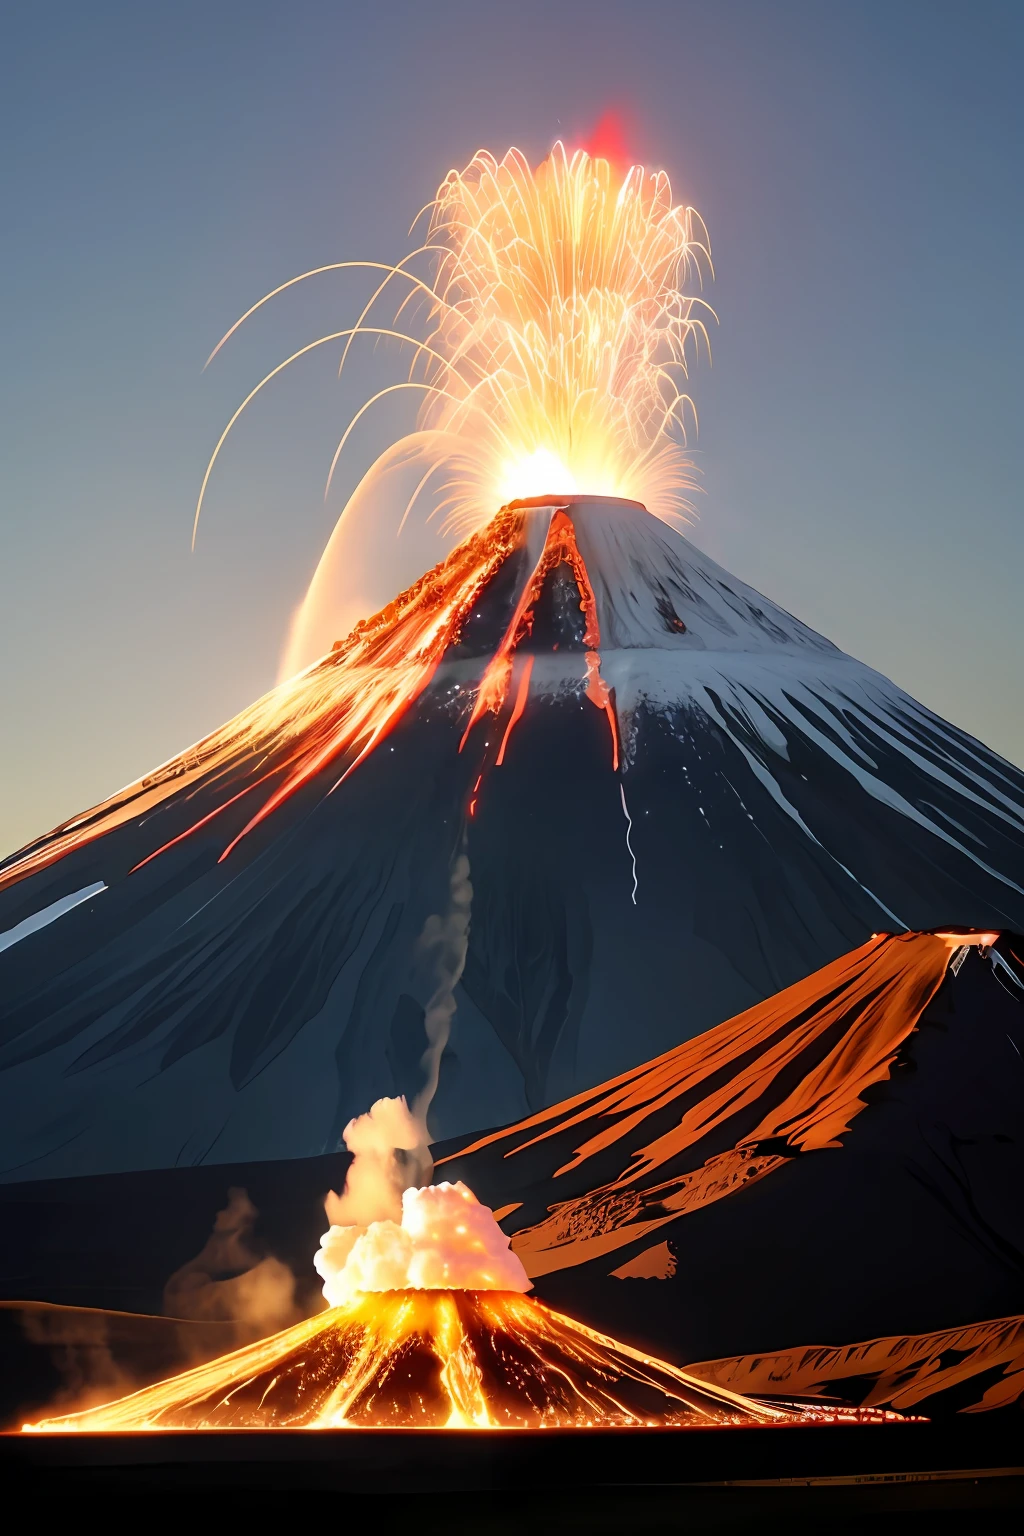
(549, 335)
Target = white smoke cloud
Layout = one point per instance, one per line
(390, 1144)
(446, 1240)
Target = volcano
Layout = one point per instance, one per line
(675, 800)
(427, 1359)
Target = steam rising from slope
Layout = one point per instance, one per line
(229, 1281)
(448, 937)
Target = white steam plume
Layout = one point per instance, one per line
(390, 1143)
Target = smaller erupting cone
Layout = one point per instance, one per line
(426, 1359)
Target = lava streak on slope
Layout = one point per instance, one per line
(559, 546)
(427, 1359)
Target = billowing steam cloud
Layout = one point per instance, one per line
(446, 1240)
(390, 1229)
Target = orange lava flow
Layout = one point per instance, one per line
(559, 546)
(388, 661)
(426, 1359)
(517, 709)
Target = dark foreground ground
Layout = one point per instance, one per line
(964, 1475)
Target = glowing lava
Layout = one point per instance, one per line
(559, 546)
(427, 1359)
(428, 1328)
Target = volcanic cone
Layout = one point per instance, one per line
(419, 1359)
(675, 799)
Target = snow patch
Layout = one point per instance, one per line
(47, 915)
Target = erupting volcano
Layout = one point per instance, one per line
(428, 1359)
(428, 1329)
(508, 851)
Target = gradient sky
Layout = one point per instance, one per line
(858, 167)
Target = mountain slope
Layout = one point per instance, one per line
(674, 797)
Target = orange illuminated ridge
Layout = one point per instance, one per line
(903, 1373)
(799, 1063)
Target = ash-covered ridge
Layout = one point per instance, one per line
(763, 804)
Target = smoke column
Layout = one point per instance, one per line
(448, 938)
(390, 1143)
(377, 1237)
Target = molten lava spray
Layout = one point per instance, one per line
(548, 338)
(554, 338)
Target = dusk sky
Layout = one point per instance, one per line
(857, 166)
